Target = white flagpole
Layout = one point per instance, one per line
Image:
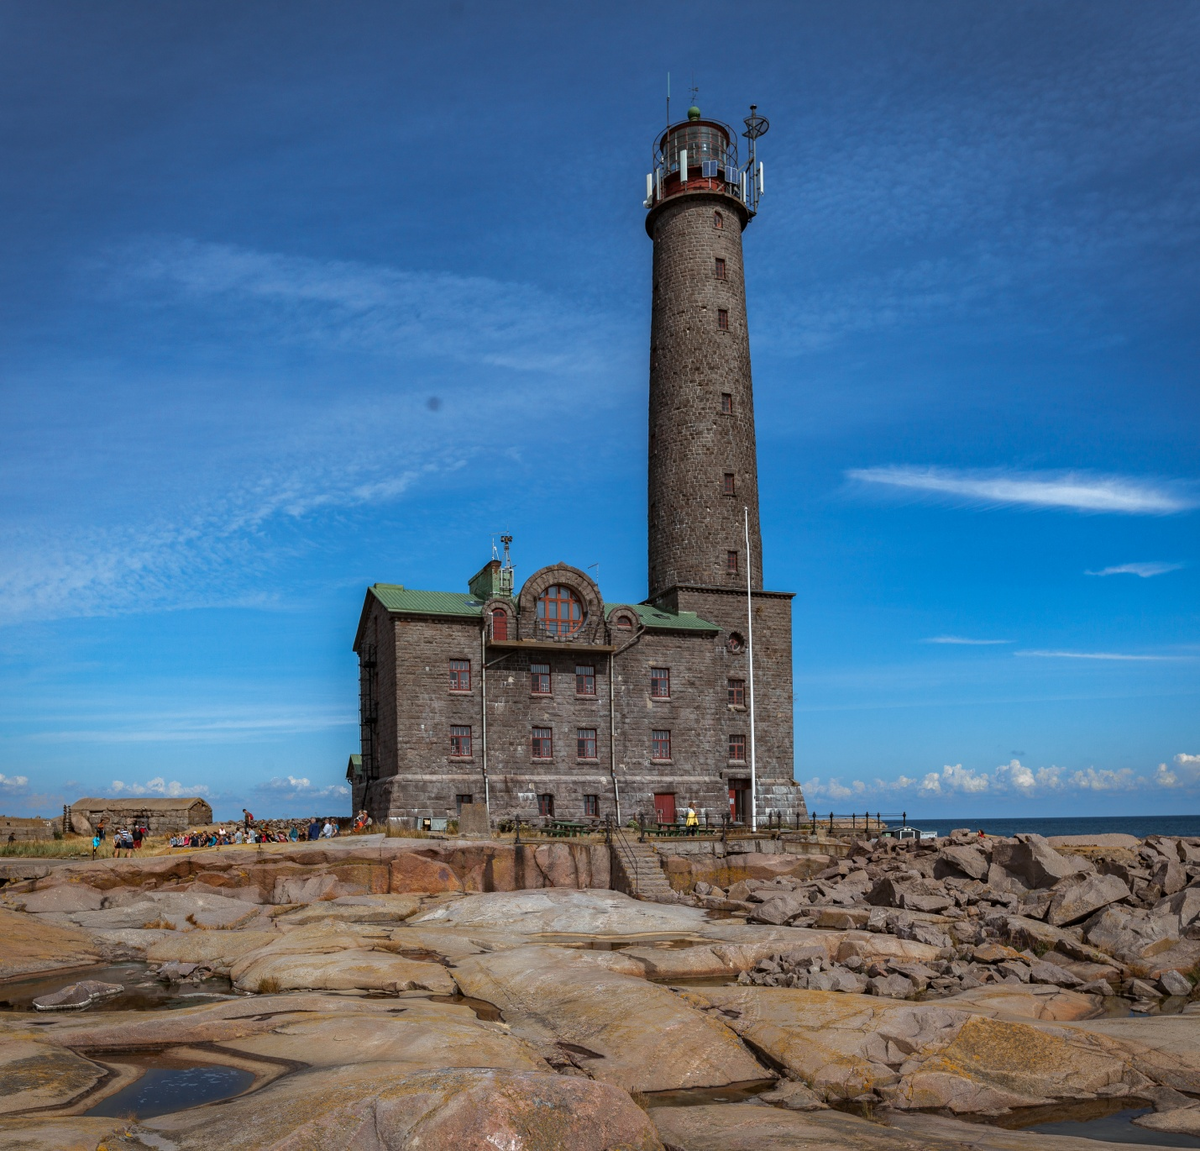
(750, 655)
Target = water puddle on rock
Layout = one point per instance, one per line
(168, 1085)
(484, 1010)
(1108, 1120)
(703, 1096)
(142, 991)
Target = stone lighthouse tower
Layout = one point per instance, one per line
(704, 540)
(703, 469)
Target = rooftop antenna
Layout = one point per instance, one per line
(668, 99)
(694, 89)
(756, 126)
(506, 571)
(596, 565)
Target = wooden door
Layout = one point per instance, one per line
(664, 806)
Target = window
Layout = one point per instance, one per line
(542, 743)
(722, 319)
(660, 745)
(586, 743)
(720, 268)
(459, 800)
(727, 484)
(559, 610)
(718, 220)
(591, 805)
(460, 675)
(660, 683)
(731, 563)
(460, 741)
(736, 642)
(727, 403)
(539, 678)
(737, 748)
(625, 622)
(499, 624)
(585, 679)
(546, 805)
(737, 692)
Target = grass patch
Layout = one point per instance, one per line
(268, 985)
(160, 924)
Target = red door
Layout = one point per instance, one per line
(664, 807)
(500, 624)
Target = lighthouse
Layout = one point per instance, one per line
(704, 540)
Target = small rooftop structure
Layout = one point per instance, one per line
(158, 815)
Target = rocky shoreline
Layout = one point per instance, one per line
(390, 994)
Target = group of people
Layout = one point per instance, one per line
(249, 833)
(126, 839)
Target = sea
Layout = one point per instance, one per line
(1139, 825)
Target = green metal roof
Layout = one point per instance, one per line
(656, 617)
(394, 597)
(397, 598)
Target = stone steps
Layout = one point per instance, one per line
(643, 867)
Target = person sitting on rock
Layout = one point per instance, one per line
(293, 834)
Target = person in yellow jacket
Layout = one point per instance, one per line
(692, 819)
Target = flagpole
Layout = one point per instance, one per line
(750, 655)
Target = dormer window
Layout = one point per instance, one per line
(559, 610)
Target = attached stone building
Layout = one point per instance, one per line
(548, 701)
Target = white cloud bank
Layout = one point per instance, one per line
(1145, 570)
(1073, 491)
(299, 787)
(160, 787)
(1012, 779)
(13, 783)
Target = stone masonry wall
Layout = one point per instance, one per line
(692, 523)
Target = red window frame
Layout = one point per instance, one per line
(660, 683)
(728, 484)
(541, 743)
(460, 675)
(722, 319)
(737, 692)
(546, 804)
(460, 741)
(660, 745)
(539, 679)
(624, 623)
(718, 220)
(720, 268)
(737, 749)
(560, 610)
(591, 805)
(731, 563)
(585, 679)
(585, 743)
(727, 403)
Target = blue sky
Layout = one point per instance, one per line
(297, 297)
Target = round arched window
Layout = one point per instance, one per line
(559, 610)
(736, 642)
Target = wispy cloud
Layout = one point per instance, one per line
(1103, 655)
(344, 304)
(1074, 491)
(1145, 570)
(964, 640)
(13, 783)
(218, 725)
(160, 787)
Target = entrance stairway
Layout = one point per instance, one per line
(637, 870)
